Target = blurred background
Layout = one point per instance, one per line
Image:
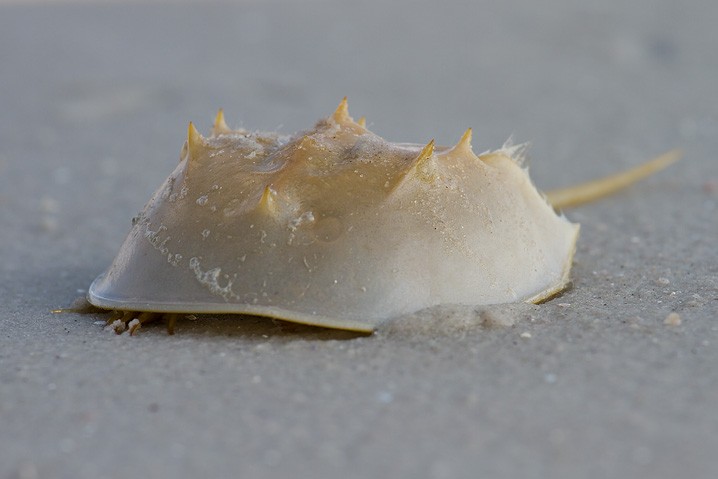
(95, 98)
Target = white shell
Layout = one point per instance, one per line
(339, 228)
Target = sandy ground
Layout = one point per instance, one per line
(94, 103)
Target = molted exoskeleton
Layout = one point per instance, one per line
(337, 227)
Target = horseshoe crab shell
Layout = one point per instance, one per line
(339, 228)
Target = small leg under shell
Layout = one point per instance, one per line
(131, 321)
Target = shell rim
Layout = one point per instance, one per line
(549, 293)
(288, 315)
(226, 308)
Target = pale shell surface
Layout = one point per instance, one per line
(337, 227)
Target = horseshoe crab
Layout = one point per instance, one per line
(336, 227)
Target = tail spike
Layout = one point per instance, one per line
(341, 114)
(465, 141)
(267, 202)
(425, 154)
(463, 147)
(195, 141)
(421, 167)
(220, 125)
(362, 122)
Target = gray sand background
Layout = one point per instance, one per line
(94, 104)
